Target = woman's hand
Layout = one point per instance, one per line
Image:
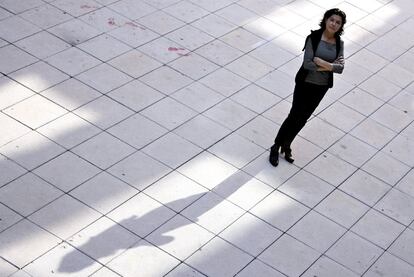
(322, 64)
(340, 60)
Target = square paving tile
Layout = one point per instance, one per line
(133, 34)
(42, 45)
(69, 130)
(197, 96)
(104, 78)
(219, 53)
(202, 131)
(151, 261)
(14, 28)
(289, 255)
(35, 111)
(128, 62)
(342, 208)
(243, 190)
(104, 47)
(12, 92)
(189, 37)
(31, 150)
(39, 76)
(397, 205)
(213, 212)
(193, 66)
(218, 253)
(74, 31)
(261, 234)
(236, 150)
(169, 113)
(73, 61)
(176, 191)
(64, 217)
(8, 218)
(9, 170)
(365, 187)
(386, 168)
(77, 7)
(111, 193)
(141, 214)
(63, 259)
(280, 210)
(12, 129)
(255, 98)
(166, 80)
(180, 229)
(186, 11)
(377, 228)
(330, 168)
(103, 150)
(28, 194)
(172, 150)
(137, 131)
(45, 16)
(214, 25)
(136, 95)
(306, 188)
(13, 58)
(13, 248)
(260, 268)
(325, 267)
(160, 22)
(103, 240)
(67, 171)
(199, 167)
(132, 9)
(139, 170)
(354, 252)
(388, 264)
(224, 82)
(230, 114)
(373, 133)
(103, 112)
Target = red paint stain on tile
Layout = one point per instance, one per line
(88, 7)
(175, 49)
(111, 21)
(132, 24)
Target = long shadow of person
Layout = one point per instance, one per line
(72, 263)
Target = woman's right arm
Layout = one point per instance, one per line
(308, 56)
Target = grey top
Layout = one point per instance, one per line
(325, 51)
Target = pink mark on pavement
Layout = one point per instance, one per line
(88, 7)
(111, 21)
(132, 24)
(175, 49)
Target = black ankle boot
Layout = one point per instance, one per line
(288, 153)
(274, 155)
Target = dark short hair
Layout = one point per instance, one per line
(328, 14)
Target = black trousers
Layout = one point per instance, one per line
(306, 98)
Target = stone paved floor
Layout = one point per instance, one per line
(135, 133)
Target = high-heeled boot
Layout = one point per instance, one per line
(287, 153)
(274, 155)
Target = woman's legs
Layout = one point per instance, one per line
(306, 98)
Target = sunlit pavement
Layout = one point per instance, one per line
(135, 134)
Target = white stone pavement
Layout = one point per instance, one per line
(135, 133)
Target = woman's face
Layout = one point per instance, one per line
(333, 23)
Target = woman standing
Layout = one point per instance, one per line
(323, 56)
